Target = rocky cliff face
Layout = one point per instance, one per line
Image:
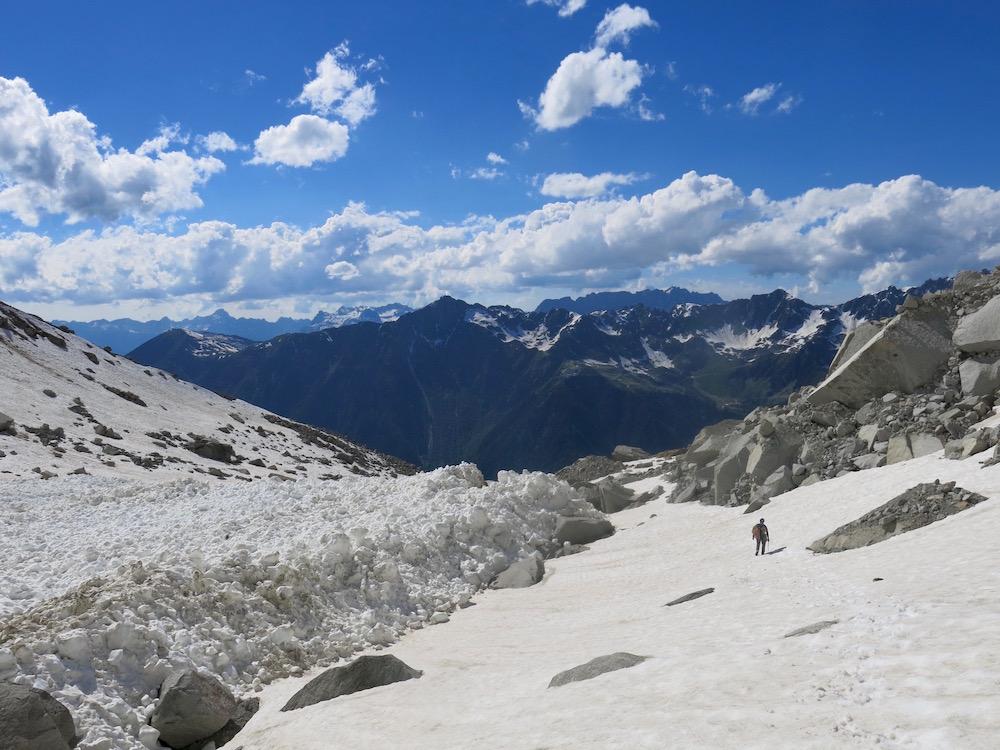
(924, 380)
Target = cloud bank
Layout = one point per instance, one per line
(55, 163)
(901, 231)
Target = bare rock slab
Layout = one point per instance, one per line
(364, 673)
(596, 667)
(520, 575)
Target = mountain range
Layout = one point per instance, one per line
(509, 389)
(125, 334)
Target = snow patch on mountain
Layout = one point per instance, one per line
(657, 358)
(509, 328)
(213, 344)
(729, 339)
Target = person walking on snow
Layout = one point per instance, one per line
(760, 534)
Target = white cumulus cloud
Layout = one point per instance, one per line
(307, 139)
(618, 24)
(583, 82)
(902, 231)
(335, 90)
(576, 185)
(55, 163)
(217, 141)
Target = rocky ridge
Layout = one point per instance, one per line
(908, 386)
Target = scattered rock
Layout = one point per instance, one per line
(625, 453)
(211, 449)
(690, 597)
(364, 673)
(814, 628)
(597, 667)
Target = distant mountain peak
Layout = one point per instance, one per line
(657, 299)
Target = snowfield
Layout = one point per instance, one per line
(911, 662)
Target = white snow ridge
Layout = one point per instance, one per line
(305, 550)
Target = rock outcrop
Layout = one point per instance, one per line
(897, 390)
(596, 667)
(573, 530)
(364, 673)
(917, 507)
(521, 574)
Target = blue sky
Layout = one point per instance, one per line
(285, 158)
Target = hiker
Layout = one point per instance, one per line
(760, 534)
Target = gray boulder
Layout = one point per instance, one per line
(711, 441)
(521, 574)
(6, 423)
(980, 331)
(211, 449)
(902, 355)
(979, 378)
(582, 530)
(811, 629)
(904, 447)
(967, 279)
(31, 719)
(596, 667)
(612, 497)
(364, 673)
(625, 453)
(192, 707)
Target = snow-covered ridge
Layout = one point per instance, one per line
(212, 344)
(509, 329)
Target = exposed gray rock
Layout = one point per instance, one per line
(521, 574)
(710, 442)
(980, 331)
(967, 280)
(582, 530)
(211, 449)
(245, 710)
(907, 446)
(810, 629)
(611, 496)
(364, 673)
(917, 507)
(625, 453)
(192, 706)
(6, 423)
(589, 468)
(596, 667)
(980, 378)
(31, 719)
(904, 355)
(690, 597)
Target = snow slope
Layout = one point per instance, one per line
(911, 662)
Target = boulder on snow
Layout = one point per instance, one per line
(31, 719)
(612, 497)
(597, 667)
(6, 423)
(711, 441)
(810, 629)
(902, 355)
(582, 530)
(192, 707)
(521, 574)
(690, 597)
(917, 507)
(211, 449)
(364, 673)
